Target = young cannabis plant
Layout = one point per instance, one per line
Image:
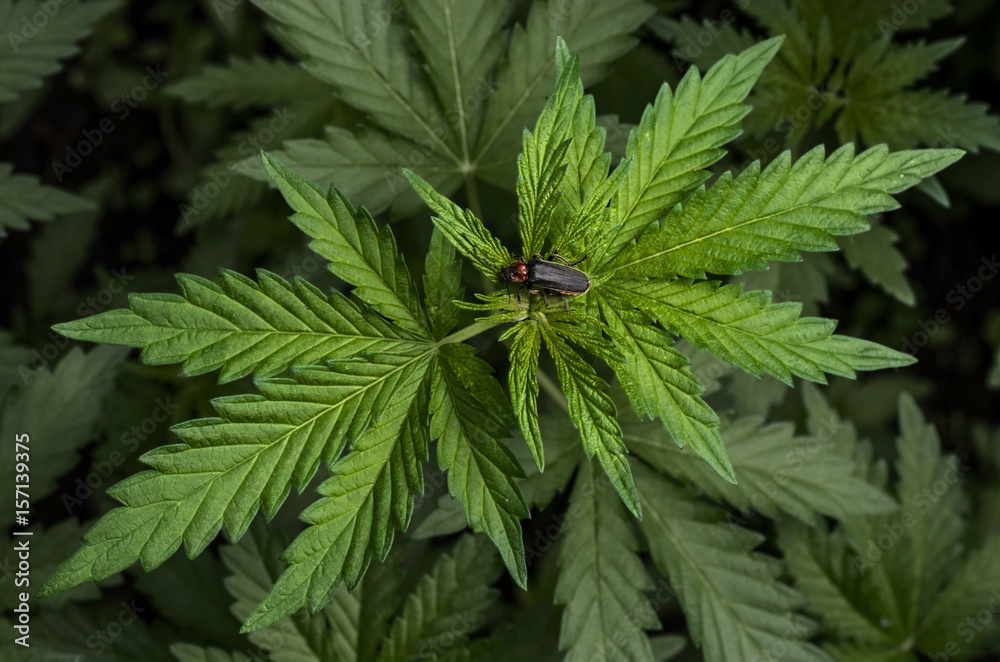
(364, 384)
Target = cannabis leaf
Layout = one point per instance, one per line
(737, 224)
(446, 88)
(369, 495)
(352, 378)
(842, 62)
(897, 582)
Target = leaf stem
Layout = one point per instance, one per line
(472, 191)
(466, 333)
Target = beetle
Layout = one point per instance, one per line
(545, 274)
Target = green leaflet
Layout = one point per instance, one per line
(593, 414)
(481, 469)
(463, 41)
(601, 578)
(368, 497)
(358, 251)
(522, 381)
(678, 138)
(771, 215)
(27, 57)
(541, 165)
(448, 603)
(466, 232)
(243, 82)
(24, 198)
(240, 327)
(659, 383)
(750, 332)
(777, 471)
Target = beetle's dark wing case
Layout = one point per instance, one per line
(557, 277)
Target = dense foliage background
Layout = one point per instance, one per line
(140, 124)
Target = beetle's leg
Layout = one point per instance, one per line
(517, 293)
(545, 301)
(565, 302)
(565, 261)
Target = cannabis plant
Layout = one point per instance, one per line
(364, 383)
(465, 449)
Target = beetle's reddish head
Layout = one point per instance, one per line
(515, 273)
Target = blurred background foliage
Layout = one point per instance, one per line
(142, 123)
